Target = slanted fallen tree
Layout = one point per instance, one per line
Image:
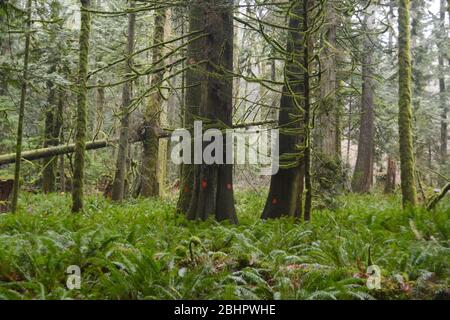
(438, 197)
(54, 151)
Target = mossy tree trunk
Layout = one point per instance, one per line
(286, 187)
(23, 97)
(363, 174)
(212, 193)
(442, 90)
(405, 108)
(118, 189)
(149, 165)
(81, 123)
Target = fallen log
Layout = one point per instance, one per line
(54, 151)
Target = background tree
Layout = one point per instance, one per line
(118, 190)
(149, 164)
(23, 97)
(405, 100)
(81, 127)
(363, 173)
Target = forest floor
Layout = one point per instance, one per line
(143, 250)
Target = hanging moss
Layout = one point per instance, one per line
(80, 144)
(405, 108)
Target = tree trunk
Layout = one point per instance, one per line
(118, 189)
(405, 110)
(442, 93)
(390, 175)
(48, 173)
(363, 174)
(23, 96)
(5, 193)
(212, 193)
(149, 164)
(286, 187)
(59, 134)
(328, 127)
(193, 91)
(81, 127)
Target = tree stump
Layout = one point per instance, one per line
(6, 187)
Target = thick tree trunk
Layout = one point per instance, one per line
(118, 189)
(363, 174)
(81, 127)
(328, 138)
(212, 193)
(327, 119)
(23, 96)
(193, 79)
(286, 187)
(405, 110)
(149, 164)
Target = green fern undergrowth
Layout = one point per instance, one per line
(142, 249)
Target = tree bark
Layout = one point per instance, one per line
(118, 189)
(363, 174)
(286, 187)
(5, 193)
(442, 93)
(149, 164)
(390, 175)
(53, 112)
(328, 127)
(81, 127)
(48, 173)
(212, 193)
(23, 97)
(405, 109)
(193, 79)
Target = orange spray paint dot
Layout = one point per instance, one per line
(204, 184)
(274, 201)
(229, 186)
